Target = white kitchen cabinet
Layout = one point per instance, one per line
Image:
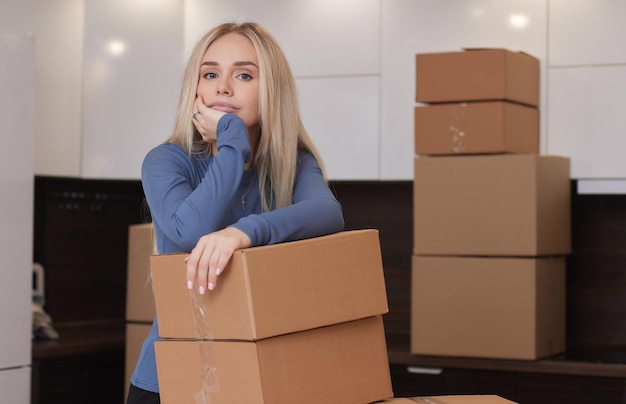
(132, 56)
(133, 62)
(419, 26)
(59, 51)
(321, 38)
(342, 117)
(111, 92)
(586, 122)
(15, 386)
(587, 32)
(108, 78)
(587, 80)
(17, 110)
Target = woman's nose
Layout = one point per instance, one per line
(224, 87)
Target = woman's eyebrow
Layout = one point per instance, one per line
(245, 63)
(242, 63)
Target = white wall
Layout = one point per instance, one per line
(354, 66)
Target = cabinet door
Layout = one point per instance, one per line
(341, 115)
(585, 32)
(586, 108)
(133, 63)
(15, 386)
(321, 38)
(587, 80)
(17, 93)
(58, 99)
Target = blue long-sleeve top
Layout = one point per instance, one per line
(190, 196)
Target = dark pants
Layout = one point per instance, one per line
(140, 396)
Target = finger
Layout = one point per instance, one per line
(197, 267)
(212, 280)
(199, 106)
(192, 265)
(218, 266)
(212, 270)
(197, 109)
(190, 277)
(202, 270)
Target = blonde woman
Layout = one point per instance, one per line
(238, 171)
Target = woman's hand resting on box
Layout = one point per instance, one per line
(210, 256)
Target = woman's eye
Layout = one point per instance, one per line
(245, 76)
(210, 75)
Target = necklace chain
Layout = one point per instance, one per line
(243, 197)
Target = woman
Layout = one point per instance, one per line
(238, 171)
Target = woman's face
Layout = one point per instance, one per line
(229, 78)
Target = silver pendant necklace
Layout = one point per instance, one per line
(243, 197)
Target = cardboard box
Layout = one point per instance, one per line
(502, 205)
(477, 75)
(488, 307)
(476, 128)
(344, 363)
(136, 333)
(276, 289)
(139, 297)
(456, 399)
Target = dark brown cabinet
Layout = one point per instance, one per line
(81, 229)
(81, 238)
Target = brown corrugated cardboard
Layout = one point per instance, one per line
(136, 333)
(344, 363)
(488, 307)
(477, 74)
(139, 296)
(456, 399)
(503, 205)
(476, 128)
(276, 289)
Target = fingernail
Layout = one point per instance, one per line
(189, 285)
(218, 271)
(211, 286)
(201, 290)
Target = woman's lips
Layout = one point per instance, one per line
(224, 107)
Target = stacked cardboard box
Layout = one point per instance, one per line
(140, 310)
(292, 322)
(476, 101)
(491, 215)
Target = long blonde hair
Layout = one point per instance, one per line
(282, 131)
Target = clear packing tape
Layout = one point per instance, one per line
(201, 322)
(208, 370)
